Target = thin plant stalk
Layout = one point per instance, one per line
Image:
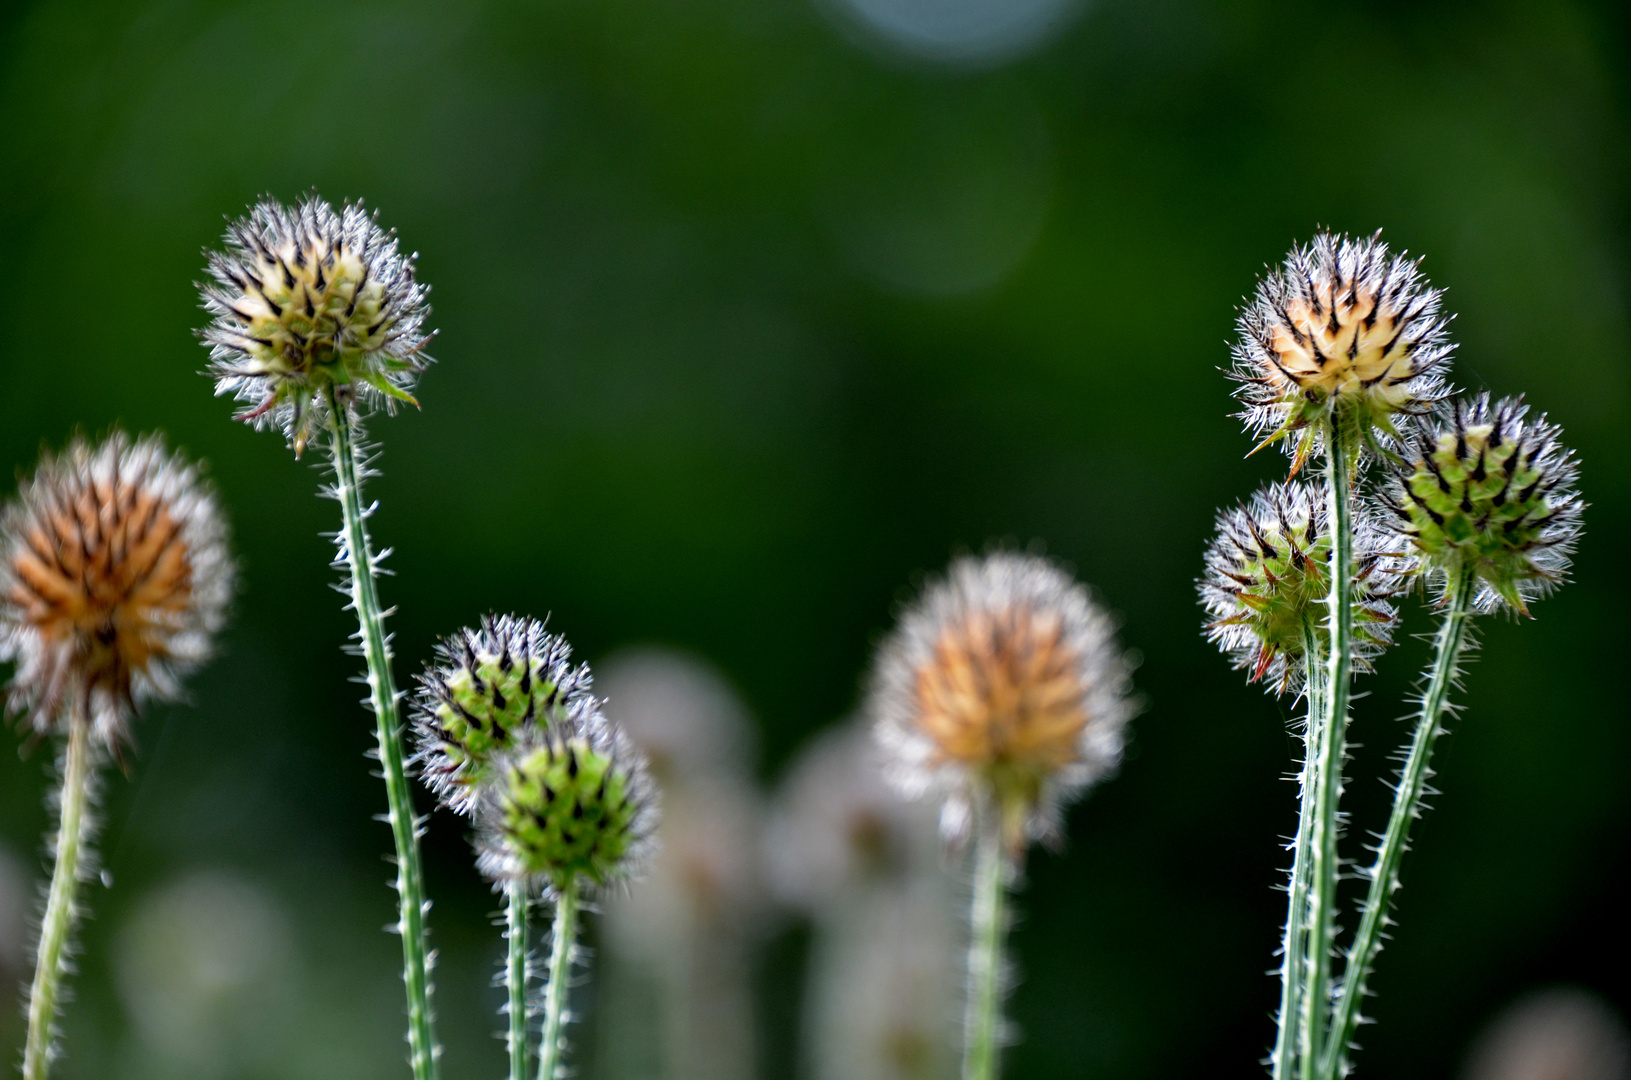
(564, 933)
(1332, 747)
(515, 977)
(1451, 641)
(983, 1019)
(359, 559)
(61, 908)
(1294, 944)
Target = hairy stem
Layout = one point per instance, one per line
(1294, 944)
(1332, 749)
(359, 560)
(515, 977)
(551, 1046)
(61, 906)
(983, 1018)
(1407, 806)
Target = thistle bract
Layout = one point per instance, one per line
(1345, 331)
(572, 805)
(306, 300)
(114, 577)
(1485, 485)
(1268, 576)
(1004, 681)
(487, 685)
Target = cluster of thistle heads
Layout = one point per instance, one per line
(511, 736)
(1347, 334)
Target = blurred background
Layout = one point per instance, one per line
(753, 313)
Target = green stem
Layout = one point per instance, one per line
(1407, 804)
(61, 907)
(989, 921)
(551, 1046)
(410, 882)
(1332, 749)
(515, 978)
(1294, 945)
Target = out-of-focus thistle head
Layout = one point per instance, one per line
(570, 806)
(1268, 577)
(1003, 683)
(485, 686)
(1484, 485)
(306, 299)
(1344, 330)
(114, 577)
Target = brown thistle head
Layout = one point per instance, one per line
(1003, 684)
(114, 576)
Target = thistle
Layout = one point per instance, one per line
(317, 320)
(488, 686)
(1003, 692)
(1486, 497)
(1344, 332)
(568, 811)
(1267, 579)
(1485, 490)
(308, 304)
(114, 578)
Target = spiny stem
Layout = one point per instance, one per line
(1294, 945)
(1332, 748)
(515, 977)
(550, 1045)
(410, 881)
(61, 907)
(1407, 803)
(983, 1018)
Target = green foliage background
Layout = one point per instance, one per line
(745, 325)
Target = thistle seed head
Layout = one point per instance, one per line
(485, 687)
(1268, 577)
(306, 299)
(1344, 330)
(1003, 683)
(569, 806)
(1481, 483)
(114, 577)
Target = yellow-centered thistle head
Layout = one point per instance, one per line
(114, 577)
(1002, 685)
(309, 301)
(1346, 332)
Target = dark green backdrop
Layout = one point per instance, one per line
(748, 321)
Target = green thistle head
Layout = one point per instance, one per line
(1268, 576)
(488, 686)
(1483, 485)
(569, 806)
(306, 300)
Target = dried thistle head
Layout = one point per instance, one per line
(1268, 576)
(114, 577)
(305, 299)
(1344, 330)
(1483, 483)
(1002, 683)
(486, 686)
(569, 806)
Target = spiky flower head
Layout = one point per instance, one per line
(486, 685)
(1268, 578)
(306, 299)
(1484, 485)
(570, 806)
(1345, 330)
(114, 577)
(1002, 684)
